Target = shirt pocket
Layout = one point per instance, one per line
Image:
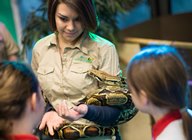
(45, 77)
(80, 68)
(78, 75)
(45, 70)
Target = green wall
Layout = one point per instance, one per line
(6, 16)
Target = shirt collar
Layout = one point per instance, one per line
(22, 137)
(80, 44)
(160, 125)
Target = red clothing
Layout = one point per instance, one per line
(22, 137)
(171, 120)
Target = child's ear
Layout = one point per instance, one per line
(144, 97)
(33, 101)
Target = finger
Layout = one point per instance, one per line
(58, 120)
(64, 108)
(43, 123)
(56, 127)
(81, 109)
(57, 123)
(61, 110)
(50, 129)
(76, 108)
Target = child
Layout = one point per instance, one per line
(21, 103)
(158, 82)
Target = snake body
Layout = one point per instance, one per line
(112, 91)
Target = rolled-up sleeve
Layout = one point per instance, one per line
(109, 60)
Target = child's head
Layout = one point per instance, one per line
(18, 85)
(159, 71)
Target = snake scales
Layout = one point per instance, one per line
(113, 91)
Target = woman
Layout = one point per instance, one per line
(21, 102)
(158, 81)
(61, 61)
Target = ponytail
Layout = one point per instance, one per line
(5, 127)
(187, 123)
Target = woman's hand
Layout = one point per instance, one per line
(71, 114)
(52, 120)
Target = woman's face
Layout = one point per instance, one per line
(68, 23)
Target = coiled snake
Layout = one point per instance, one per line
(112, 91)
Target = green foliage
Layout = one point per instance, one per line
(37, 27)
(37, 24)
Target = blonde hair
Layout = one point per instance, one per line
(17, 84)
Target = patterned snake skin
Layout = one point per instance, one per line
(113, 91)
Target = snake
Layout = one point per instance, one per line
(112, 91)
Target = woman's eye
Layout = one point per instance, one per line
(63, 18)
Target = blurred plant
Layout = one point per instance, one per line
(37, 27)
(107, 10)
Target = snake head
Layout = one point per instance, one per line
(96, 74)
(102, 76)
(107, 79)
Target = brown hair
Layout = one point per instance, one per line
(85, 8)
(17, 84)
(160, 72)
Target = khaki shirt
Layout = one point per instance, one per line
(68, 79)
(7, 45)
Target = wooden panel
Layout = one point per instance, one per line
(171, 27)
(184, 48)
